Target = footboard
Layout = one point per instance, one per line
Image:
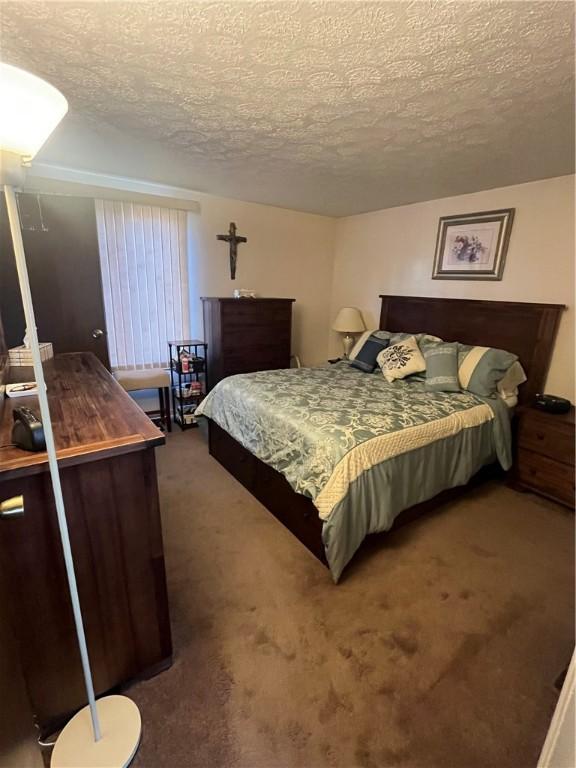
(295, 512)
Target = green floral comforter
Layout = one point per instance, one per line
(362, 449)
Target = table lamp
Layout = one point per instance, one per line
(106, 733)
(348, 321)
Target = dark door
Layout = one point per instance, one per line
(61, 245)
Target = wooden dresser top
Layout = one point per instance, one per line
(244, 299)
(92, 416)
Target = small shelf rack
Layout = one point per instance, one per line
(187, 387)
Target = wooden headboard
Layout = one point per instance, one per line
(527, 330)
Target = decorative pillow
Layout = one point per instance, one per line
(481, 368)
(365, 357)
(441, 367)
(422, 339)
(363, 338)
(401, 360)
(393, 338)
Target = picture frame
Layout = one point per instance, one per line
(472, 246)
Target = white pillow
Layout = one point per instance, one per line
(509, 383)
(401, 360)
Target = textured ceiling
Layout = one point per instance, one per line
(332, 107)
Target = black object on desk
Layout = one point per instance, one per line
(28, 432)
(552, 404)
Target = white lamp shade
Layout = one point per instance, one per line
(349, 320)
(30, 109)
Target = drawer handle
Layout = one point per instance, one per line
(540, 436)
(13, 507)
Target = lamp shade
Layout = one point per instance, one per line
(30, 107)
(349, 320)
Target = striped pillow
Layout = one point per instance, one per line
(481, 368)
(442, 367)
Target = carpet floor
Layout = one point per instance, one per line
(440, 647)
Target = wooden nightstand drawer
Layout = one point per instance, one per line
(544, 475)
(543, 436)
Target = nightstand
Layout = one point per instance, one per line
(545, 454)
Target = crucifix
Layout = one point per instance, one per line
(233, 239)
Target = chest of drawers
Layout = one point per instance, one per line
(246, 335)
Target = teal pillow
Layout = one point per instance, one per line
(481, 368)
(442, 367)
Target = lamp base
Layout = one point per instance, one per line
(347, 343)
(121, 727)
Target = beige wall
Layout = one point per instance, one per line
(391, 251)
(288, 254)
(325, 263)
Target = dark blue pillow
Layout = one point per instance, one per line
(365, 359)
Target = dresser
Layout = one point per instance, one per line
(105, 446)
(545, 454)
(246, 335)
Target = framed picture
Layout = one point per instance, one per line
(472, 246)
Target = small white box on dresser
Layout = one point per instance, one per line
(22, 355)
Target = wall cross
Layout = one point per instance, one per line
(232, 239)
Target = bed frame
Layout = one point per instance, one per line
(528, 330)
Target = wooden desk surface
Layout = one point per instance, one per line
(92, 416)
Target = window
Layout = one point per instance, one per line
(143, 257)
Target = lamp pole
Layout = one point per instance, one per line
(32, 336)
(33, 108)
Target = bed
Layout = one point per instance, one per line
(337, 454)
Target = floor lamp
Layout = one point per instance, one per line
(106, 733)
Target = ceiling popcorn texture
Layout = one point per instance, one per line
(331, 107)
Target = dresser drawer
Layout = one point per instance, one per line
(248, 314)
(240, 339)
(546, 476)
(544, 437)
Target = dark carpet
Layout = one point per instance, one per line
(439, 648)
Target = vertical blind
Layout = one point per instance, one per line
(143, 257)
